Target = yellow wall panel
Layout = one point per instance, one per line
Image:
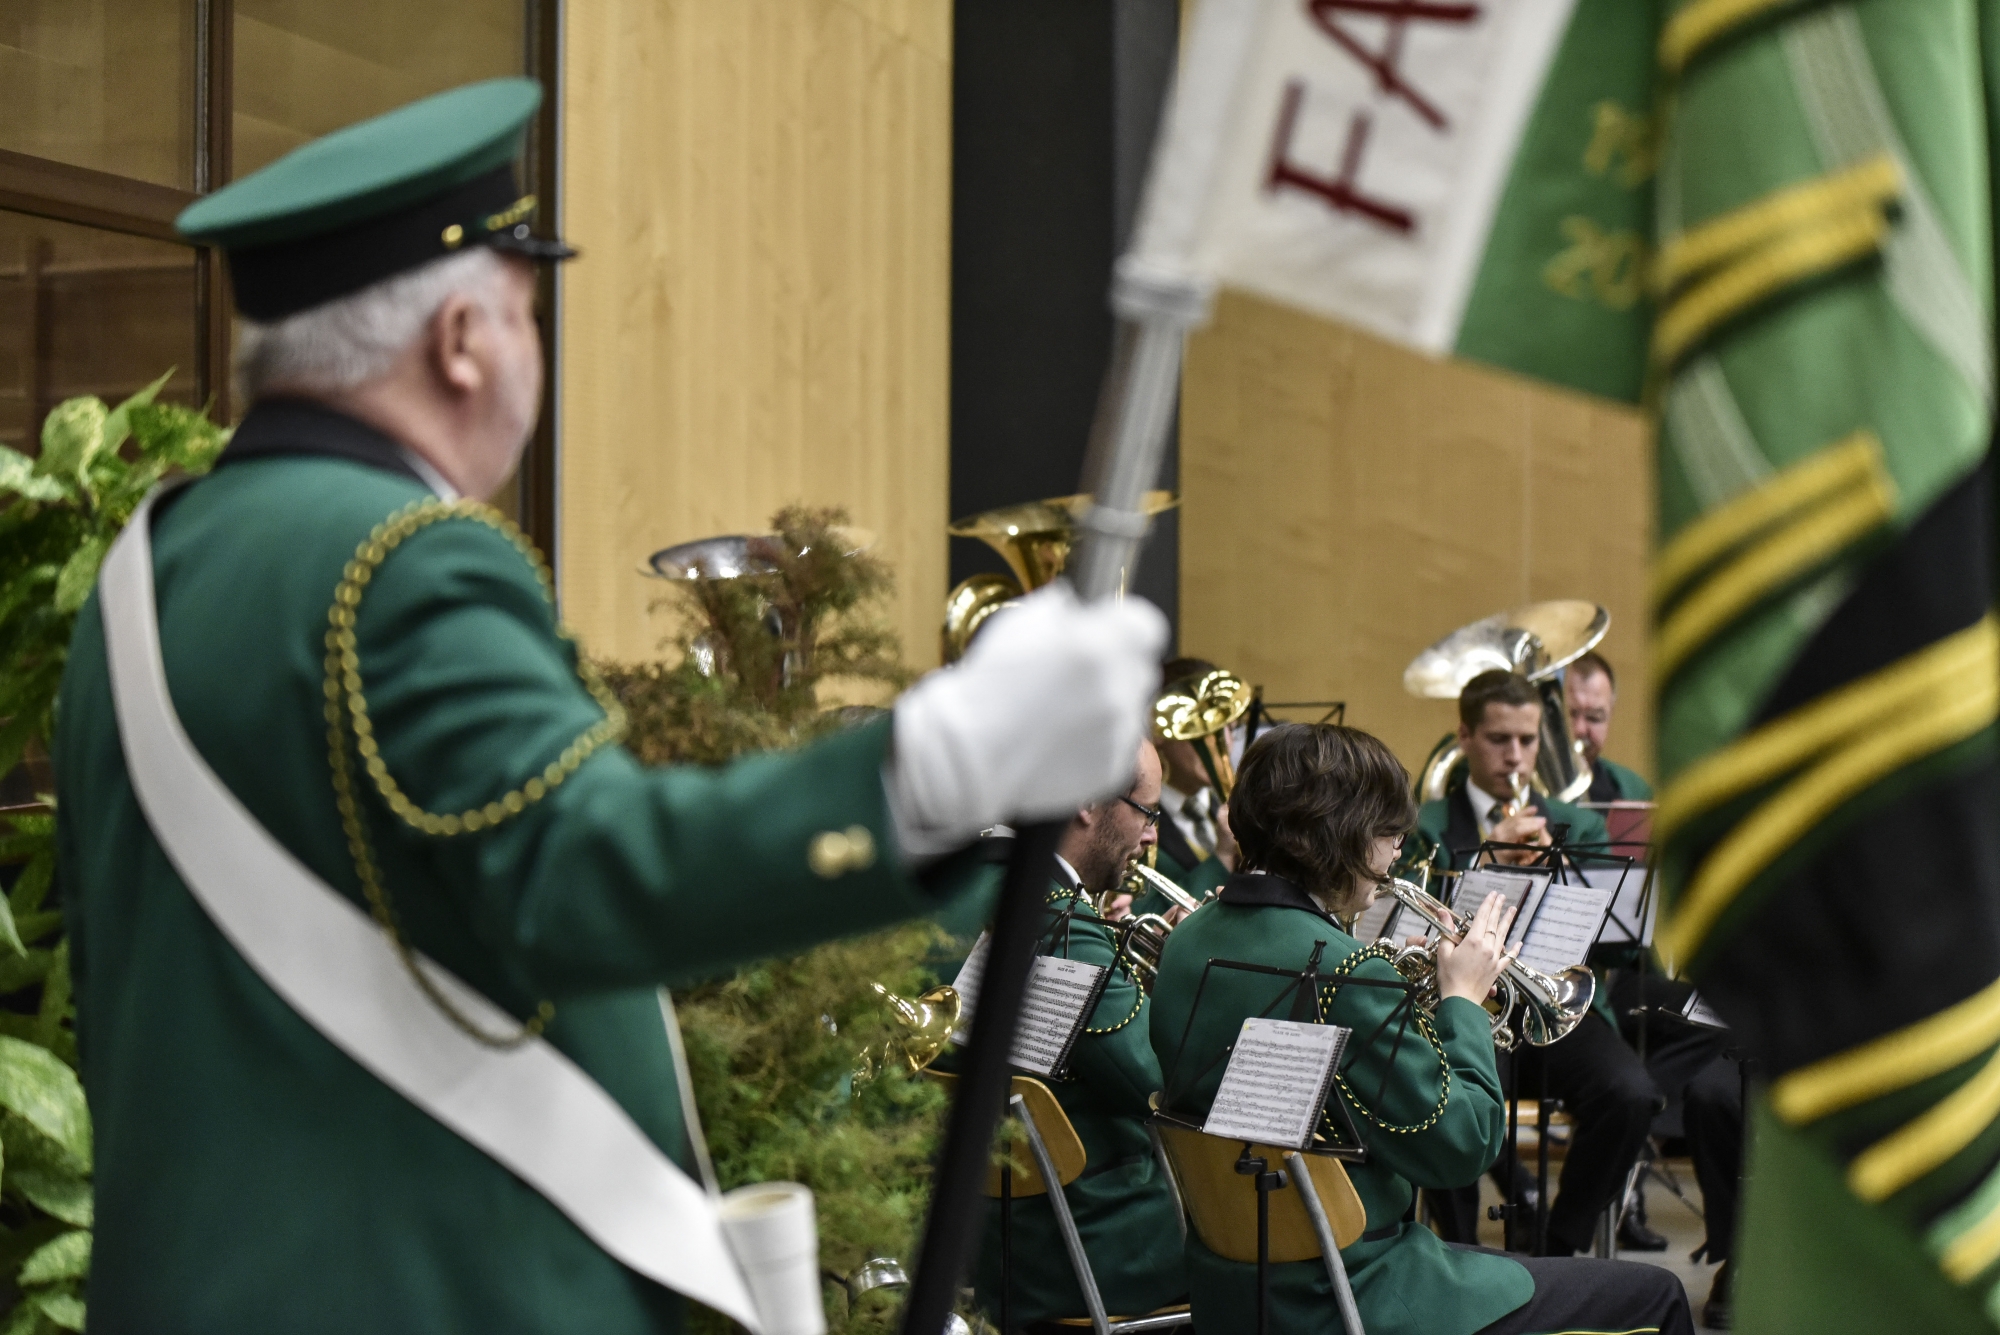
(1347, 502)
(761, 189)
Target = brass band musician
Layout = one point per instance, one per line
(1320, 812)
(1599, 1078)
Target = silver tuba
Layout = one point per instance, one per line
(1548, 1007)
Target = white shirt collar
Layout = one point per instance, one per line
(1483, 803)
(433, 479)
(1069, 871)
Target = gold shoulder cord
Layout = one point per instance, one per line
(1120, 961)
(347, 711)
(1424, 1027)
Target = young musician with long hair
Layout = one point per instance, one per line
(1320, 813)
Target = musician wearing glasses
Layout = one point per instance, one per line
(1320, 812)
(1601, 1081)
(1123, 1206)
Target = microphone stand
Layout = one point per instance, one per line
(1127, 441)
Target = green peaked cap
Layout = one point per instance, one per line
(375, 199)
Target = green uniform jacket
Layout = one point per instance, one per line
(1437, 1121)
(1612, 782)
(249, 1175)
(1123, 1206)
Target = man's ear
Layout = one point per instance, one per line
(1087, 817)
(1464, 736)
(454, 330)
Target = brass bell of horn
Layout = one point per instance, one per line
(1199, 711)
(1034, 539)
(927, 1022)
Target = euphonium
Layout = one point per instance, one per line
(1549, 1007)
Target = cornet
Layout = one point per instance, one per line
(1549, 1007)
(1144, 937)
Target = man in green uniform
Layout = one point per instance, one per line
(371, 671)
(1598, 1077)
(1123, 1207)
(1590, 693)
(1320, 811)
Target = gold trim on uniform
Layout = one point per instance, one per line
(347, 710)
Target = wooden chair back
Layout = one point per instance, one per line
(1058, 1134)
(1222, 1203)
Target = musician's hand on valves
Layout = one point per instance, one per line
(1525, 827)
(1042, 716)
(1470, 968)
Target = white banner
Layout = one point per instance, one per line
(1347, 156)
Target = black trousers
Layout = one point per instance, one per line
(1713, 1120)
(1581, 1293)
(1611, 1101)
(1674, 1050)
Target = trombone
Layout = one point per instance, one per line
(1549, 1007)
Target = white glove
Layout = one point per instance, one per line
(1042, 716)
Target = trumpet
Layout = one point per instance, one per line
(1142, 938)
(1549, 1007)
(1517, 801)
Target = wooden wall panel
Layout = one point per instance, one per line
(1348, 502)
(761, 191)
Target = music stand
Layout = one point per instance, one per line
(1562, 859)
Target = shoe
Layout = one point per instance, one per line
(1715, 1312)
(1634, 1236)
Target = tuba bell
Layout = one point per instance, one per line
(1034, 539)
(1200, 711)
(1538, 641)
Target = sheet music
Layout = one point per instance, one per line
(1625, 922)
(1565, 926)
(1061, 994)
(1697, 1012)
(970, 975)
(1375, 921)
(1276, 1082)
(1522, 887)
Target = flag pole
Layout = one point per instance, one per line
(1158, 293)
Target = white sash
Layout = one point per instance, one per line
(531, 1108)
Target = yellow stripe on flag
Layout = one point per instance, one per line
(1868, 184)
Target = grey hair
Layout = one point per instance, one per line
(353, 339)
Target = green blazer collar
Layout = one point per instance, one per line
(1261, 889)
(293, 427)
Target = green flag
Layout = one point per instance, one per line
(1821, 360)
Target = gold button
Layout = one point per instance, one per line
(452, 236)
(835, 852)
(827, 854)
